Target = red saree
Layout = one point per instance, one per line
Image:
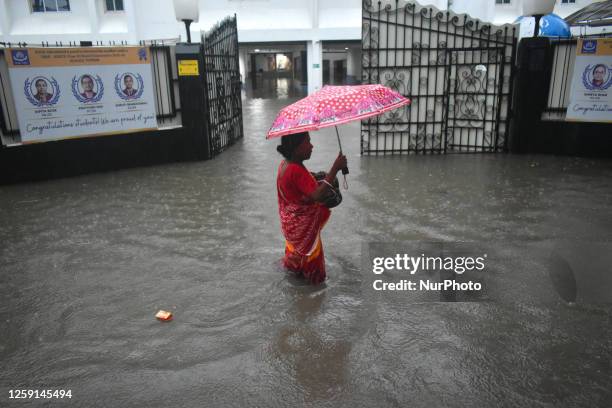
(301, 222)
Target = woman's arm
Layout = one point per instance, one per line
(319, 194)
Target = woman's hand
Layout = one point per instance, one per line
(320, 193)
(338, 165)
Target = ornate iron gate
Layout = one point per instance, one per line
(456, 70)
(222, 85)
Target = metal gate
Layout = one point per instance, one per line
(456, 70)
(222, 85)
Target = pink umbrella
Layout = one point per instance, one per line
(335, 105)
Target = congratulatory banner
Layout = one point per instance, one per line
(70, 92)
(591, 91)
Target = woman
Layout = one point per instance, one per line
(302, 213)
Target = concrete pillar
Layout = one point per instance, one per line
(94, 18)
(357, 64)
(314, 51)
(131, 12)
(192, 89)
(243, 61)
(350, 67)
(5, 27)
(534, 62)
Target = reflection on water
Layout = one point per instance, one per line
(318, 364)
(87, 261)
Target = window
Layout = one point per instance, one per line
(43, 6)
(502, 1)
(568, 1)
(114, 5)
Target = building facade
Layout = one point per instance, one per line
(317, 40)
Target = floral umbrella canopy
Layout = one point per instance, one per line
(335, 105)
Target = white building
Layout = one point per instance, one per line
(506, 11)
(35, 21)
(275, 35)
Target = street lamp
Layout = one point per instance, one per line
(537, 9)
(186, 11)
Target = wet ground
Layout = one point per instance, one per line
(87, 261)
(274, 88)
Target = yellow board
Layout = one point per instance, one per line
(188, 67)
(602, 46)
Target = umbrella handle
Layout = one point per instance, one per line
(345, 170)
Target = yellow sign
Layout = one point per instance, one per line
(188, 67)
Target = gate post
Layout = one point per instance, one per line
(532, 83)
(192, 90)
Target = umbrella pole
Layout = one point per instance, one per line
(344, 170)
(338, 136)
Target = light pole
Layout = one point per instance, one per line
(537, 9)
(186, 11)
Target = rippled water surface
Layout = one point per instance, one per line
(87, 261)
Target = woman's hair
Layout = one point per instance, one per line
(289, 143)
(600, 65)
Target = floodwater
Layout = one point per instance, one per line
(86, 262)
(274, 88)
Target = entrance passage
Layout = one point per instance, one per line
(274, 70)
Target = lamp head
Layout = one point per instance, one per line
(538, 7)
(186, 10)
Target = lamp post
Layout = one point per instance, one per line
(186, 11)
(192, 85)
(537, 9)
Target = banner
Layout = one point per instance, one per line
(71, 92)
(591, 91)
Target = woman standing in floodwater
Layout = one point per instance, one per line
(302, 214)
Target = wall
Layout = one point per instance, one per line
(291, 20)
(155, 20)
(565, 9)
(339, 13)
(259, 21)
(64, 158)
(488, 10)
(531, 134)
(332, 57)
(294, 20)
(89, 21)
